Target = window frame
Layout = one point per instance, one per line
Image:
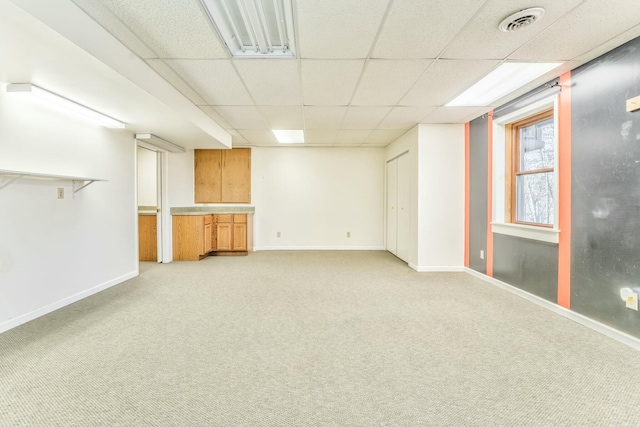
(514, 162)
(503, 183)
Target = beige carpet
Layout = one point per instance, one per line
(311, 339)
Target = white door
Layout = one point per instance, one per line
(403, 217)
(392, 208)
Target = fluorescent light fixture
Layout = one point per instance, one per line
(155, 142)
(289, 136)
(65, 104)
(500, 82)
(254, 28)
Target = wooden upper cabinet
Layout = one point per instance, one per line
(236, 176)
(222, 176)
(207, 176)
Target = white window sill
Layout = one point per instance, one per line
(544, 234)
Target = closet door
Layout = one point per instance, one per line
(403, 200)
(392, 205)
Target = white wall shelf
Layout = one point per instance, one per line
(77, 182)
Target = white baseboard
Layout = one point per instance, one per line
(318, 248)
(617, 335)
(436, 268)
(17, 321)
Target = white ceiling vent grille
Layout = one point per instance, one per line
(521, 19)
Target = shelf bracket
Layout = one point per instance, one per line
(11, 181)
(77, 187)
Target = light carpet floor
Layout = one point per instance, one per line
(312, 338)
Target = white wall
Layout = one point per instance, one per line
(54, 252)
(436, 155)
(441, 197)
(147, 177)
(314, 196)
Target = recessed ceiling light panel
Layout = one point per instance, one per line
(501, 82)
(254, 28)
(289, 136)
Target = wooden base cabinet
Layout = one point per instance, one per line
(192, 237)
(147, 238)
(231, 234)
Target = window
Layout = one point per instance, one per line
(524, 182)
(531, 183)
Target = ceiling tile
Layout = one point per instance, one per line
(586, 26)
(114, 25)
(323, 117)
(163, 24)
(338, 28)
(329, 82)
(383, 137)
(211, 112)
(384, 82)
(455, 114)
(364, 117)
(353, 137)
(271, 81)
(610, 45)
(288, 117)
(245, 117)
(404, 118)
(422, 29)
(324, 136)
(497, 44)
(258, 137)
(215, 80)
(445, 80)
(176, 81)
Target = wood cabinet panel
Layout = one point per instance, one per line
(147, 238)
(224, 236)
(207, 176)
(236, 176)
(239, 237)
(222, 176)
(192, 237)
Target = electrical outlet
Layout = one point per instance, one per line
(481, 253)
(348, 234)
(632, 301)
(278, 234)
(60, 192)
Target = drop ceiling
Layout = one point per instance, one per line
(366, 71)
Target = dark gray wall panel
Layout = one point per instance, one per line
(605, 247)
(478, 173)
(527, 264)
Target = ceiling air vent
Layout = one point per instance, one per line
(521, 19)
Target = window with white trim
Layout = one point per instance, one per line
(525, 184)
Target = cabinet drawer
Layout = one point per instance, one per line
(224, 218)
(240, 218)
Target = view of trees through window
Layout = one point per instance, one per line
(535, 174)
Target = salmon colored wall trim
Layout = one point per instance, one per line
(467, 160)
(489, 254)
(564, 186)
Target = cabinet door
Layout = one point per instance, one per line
(239, 236)
(207, 165)
(236, 175)
(147, 238)
(208, 245)
(224, 236)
